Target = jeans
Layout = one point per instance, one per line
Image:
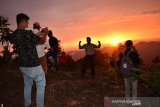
(37, 74)
(131, 83)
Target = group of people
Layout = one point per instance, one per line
(128, 64)
(51, 45)
(33, 63)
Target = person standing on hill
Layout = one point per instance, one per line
(53, 42)
(128, 64)
(40, 48)
(25, 42)
(89, 58)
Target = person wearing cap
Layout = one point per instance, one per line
(40, 48)
(89, 58)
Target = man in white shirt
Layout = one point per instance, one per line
(89, 58)
(40, 48)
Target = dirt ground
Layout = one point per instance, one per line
(63, 89)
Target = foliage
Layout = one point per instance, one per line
(151, 79)
(101, 59)
(5, 31)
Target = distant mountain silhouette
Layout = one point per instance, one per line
(108, 49)
(76, 55)
(148, 51)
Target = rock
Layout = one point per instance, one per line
(73, 103)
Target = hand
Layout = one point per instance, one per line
(44, 30)
(99, 44)
(39, 33)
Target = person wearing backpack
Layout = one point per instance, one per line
(128, 64)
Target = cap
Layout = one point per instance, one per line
(37, 24)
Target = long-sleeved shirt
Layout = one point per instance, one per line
(25, 42)
(89, 48)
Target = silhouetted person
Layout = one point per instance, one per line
(53, 42)
(6, 54)
(89, 58)
(62, 61)
(40, 48)
(25, 42)
(128, 64)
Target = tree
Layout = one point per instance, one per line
(5, 36)
(101, 59)
(5, 31)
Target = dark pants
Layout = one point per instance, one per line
(89, 61)
(55, 58)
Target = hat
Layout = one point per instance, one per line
(37, 24)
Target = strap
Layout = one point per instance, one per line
(129, 53)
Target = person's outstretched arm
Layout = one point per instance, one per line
(99, 44)
(43, 34)
(80, 47)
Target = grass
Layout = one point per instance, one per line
(64, 89)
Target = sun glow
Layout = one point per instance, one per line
(115, 41)
(112, 39)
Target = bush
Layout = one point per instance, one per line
(151, 78)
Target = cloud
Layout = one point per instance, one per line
(71, 19)
(156, 11)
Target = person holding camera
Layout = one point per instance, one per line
(89, 58)
(40, 48)
(25, 42)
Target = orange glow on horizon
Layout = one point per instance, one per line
(107, 40)
(116, 41)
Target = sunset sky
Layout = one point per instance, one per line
(110, 21)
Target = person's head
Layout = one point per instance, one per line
(50, 34)
(129, 43)
(63, 53)
(22, 20)
(36, 25)
(88, 40)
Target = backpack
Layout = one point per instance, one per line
(127, 65)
